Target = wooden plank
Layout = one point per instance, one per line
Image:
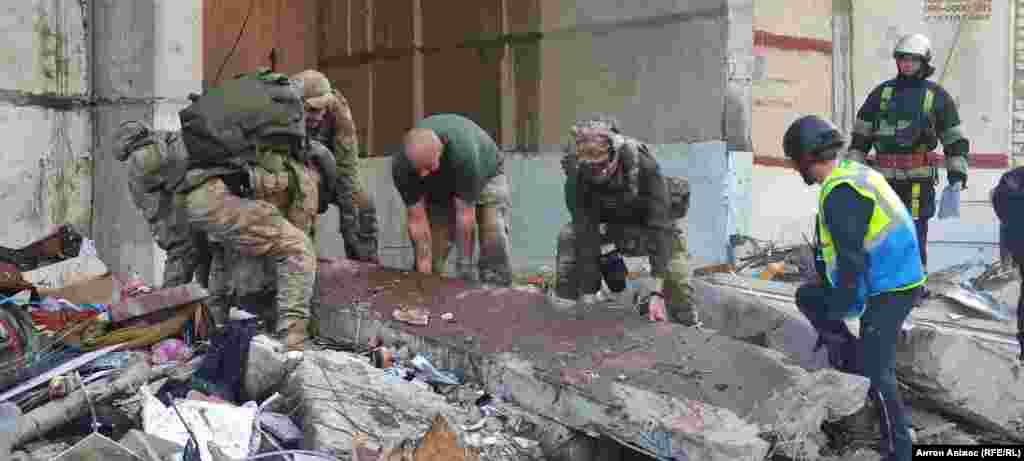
(393, 24)
(464, 81)
(360, 21)
(335, 28)
(393, 108)
(295, 36)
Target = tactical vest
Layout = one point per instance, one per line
(893, 262)
(903, 150)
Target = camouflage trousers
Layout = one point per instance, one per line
(256, 238)
(357, 214)
(633, 241)
(187, 254)
(492, 232)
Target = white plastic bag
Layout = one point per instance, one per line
(949, 206)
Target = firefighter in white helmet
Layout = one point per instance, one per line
(904, 119)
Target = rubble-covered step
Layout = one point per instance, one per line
(344, 404)
(965, 367)
(663, 389)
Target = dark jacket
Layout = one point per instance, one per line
(635, 195)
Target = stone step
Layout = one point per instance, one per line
(662, 389)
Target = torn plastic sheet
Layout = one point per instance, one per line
(228, 426)
(433, 375)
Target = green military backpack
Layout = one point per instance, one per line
(223, 126)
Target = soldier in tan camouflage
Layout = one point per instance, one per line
(243, 139)
(329, 121)
(246, 280)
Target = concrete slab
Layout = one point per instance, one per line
(939, 357)
(600, 370)
(150, 447)
(346, 405)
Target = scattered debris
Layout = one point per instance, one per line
(412, 316)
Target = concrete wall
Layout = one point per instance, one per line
(719, 182)
(978, 74)
(44, 120)
(673, 72)
(793, 68)
(147, 57)
(663, 67)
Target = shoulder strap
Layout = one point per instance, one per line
(929, 99)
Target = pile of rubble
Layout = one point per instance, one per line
(101, 366)
(414, 368)
(945, 342)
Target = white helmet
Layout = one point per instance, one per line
(916, 44)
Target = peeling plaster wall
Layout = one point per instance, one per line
(788, 83)
(59, 108)
(52, 42)
(148, 58)
(47, 132)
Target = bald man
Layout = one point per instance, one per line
(451, 177)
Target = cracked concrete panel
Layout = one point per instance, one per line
(649, 69)
(178, 38)
(52, 52)
(798, 18)
(122, 235)
(124, 48)
(568, 13)
(47, 174)
(794, 83)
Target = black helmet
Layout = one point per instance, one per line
(811, 135)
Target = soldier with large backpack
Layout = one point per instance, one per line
(251, 183)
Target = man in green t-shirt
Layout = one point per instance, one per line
(451, 177)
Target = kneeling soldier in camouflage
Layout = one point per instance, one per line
(621, 203)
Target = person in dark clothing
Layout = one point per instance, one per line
(1008, 203)
(870, 269)
(904, 119)
(620, 202)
